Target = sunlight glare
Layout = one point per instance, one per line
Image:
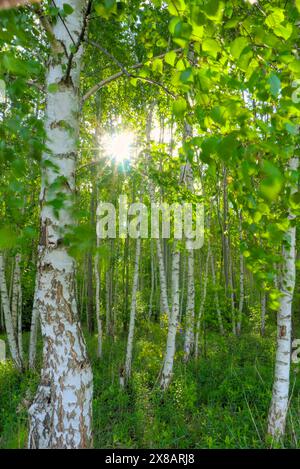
(119, 146)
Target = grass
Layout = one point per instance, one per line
(221, 401)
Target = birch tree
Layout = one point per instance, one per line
(167, 369)
(280, 394)
(60, 415)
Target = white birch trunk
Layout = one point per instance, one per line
(152, 279)
(280, 395)
(15, 292)
(98, 311)
(20, 301)
(60, 415)
(183, 282)
(219, 314)
(128, 360)
(33, 328)
(242, 275)
(167, 370)
(11, 332)
(159, 251)
(202, 304)
(263, 301)
(162, 278)
(190, 307)
(107, 302)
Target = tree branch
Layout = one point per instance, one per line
(117, 75)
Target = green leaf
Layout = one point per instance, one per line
(170, 58)
(237, 46)
(275, 18)
(179, 107)
(218, 115)
(284, 31)
(68, 10)
(176, 7)
(158, 66)
(293, 129)
(275, 84)
(7, 237)
(53, 87)
(214, 10)
(186, 75)
(295, 66)
(211, 46)
(297, 2)
(272, 182)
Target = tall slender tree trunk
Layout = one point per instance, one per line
(15, 291)
(190, 307)
(152, 267)
(263, 301)
(219, 314)
(9, 326)
(184, 261)
(61, 413)
(98, 310)
(33, 328)
(128, 360)
(167, 370)
(20, 311)
(159, 251)
(280, 395)
(242, 276)
(90, 294)
(108, 301)
(202, 304)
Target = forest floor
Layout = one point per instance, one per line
(220, 402)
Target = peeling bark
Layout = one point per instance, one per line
(167, 370)
(128, 360)
(280, 395)
(10, 330)
(60, 415)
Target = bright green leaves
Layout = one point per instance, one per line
(186, 75)
(170, 58)
(8, 237)
(53, 87)
(274, 21)
(238, 46)
(176, 7)
(218, 114)
(214, 10)
(158, 66)
(241, 51)
(275, 84)
(275, 18)
(180, 30)
(18, 66)
(211, 47)
(297, 3)
(68, 10)
(109, 8)
(179, 107)
(271, 184)
(294, 67)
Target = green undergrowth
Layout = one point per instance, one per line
(221, 401)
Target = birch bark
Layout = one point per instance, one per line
(280, 396)
(167, 369)
(60, 415)
(128, 360)
(11, 332)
